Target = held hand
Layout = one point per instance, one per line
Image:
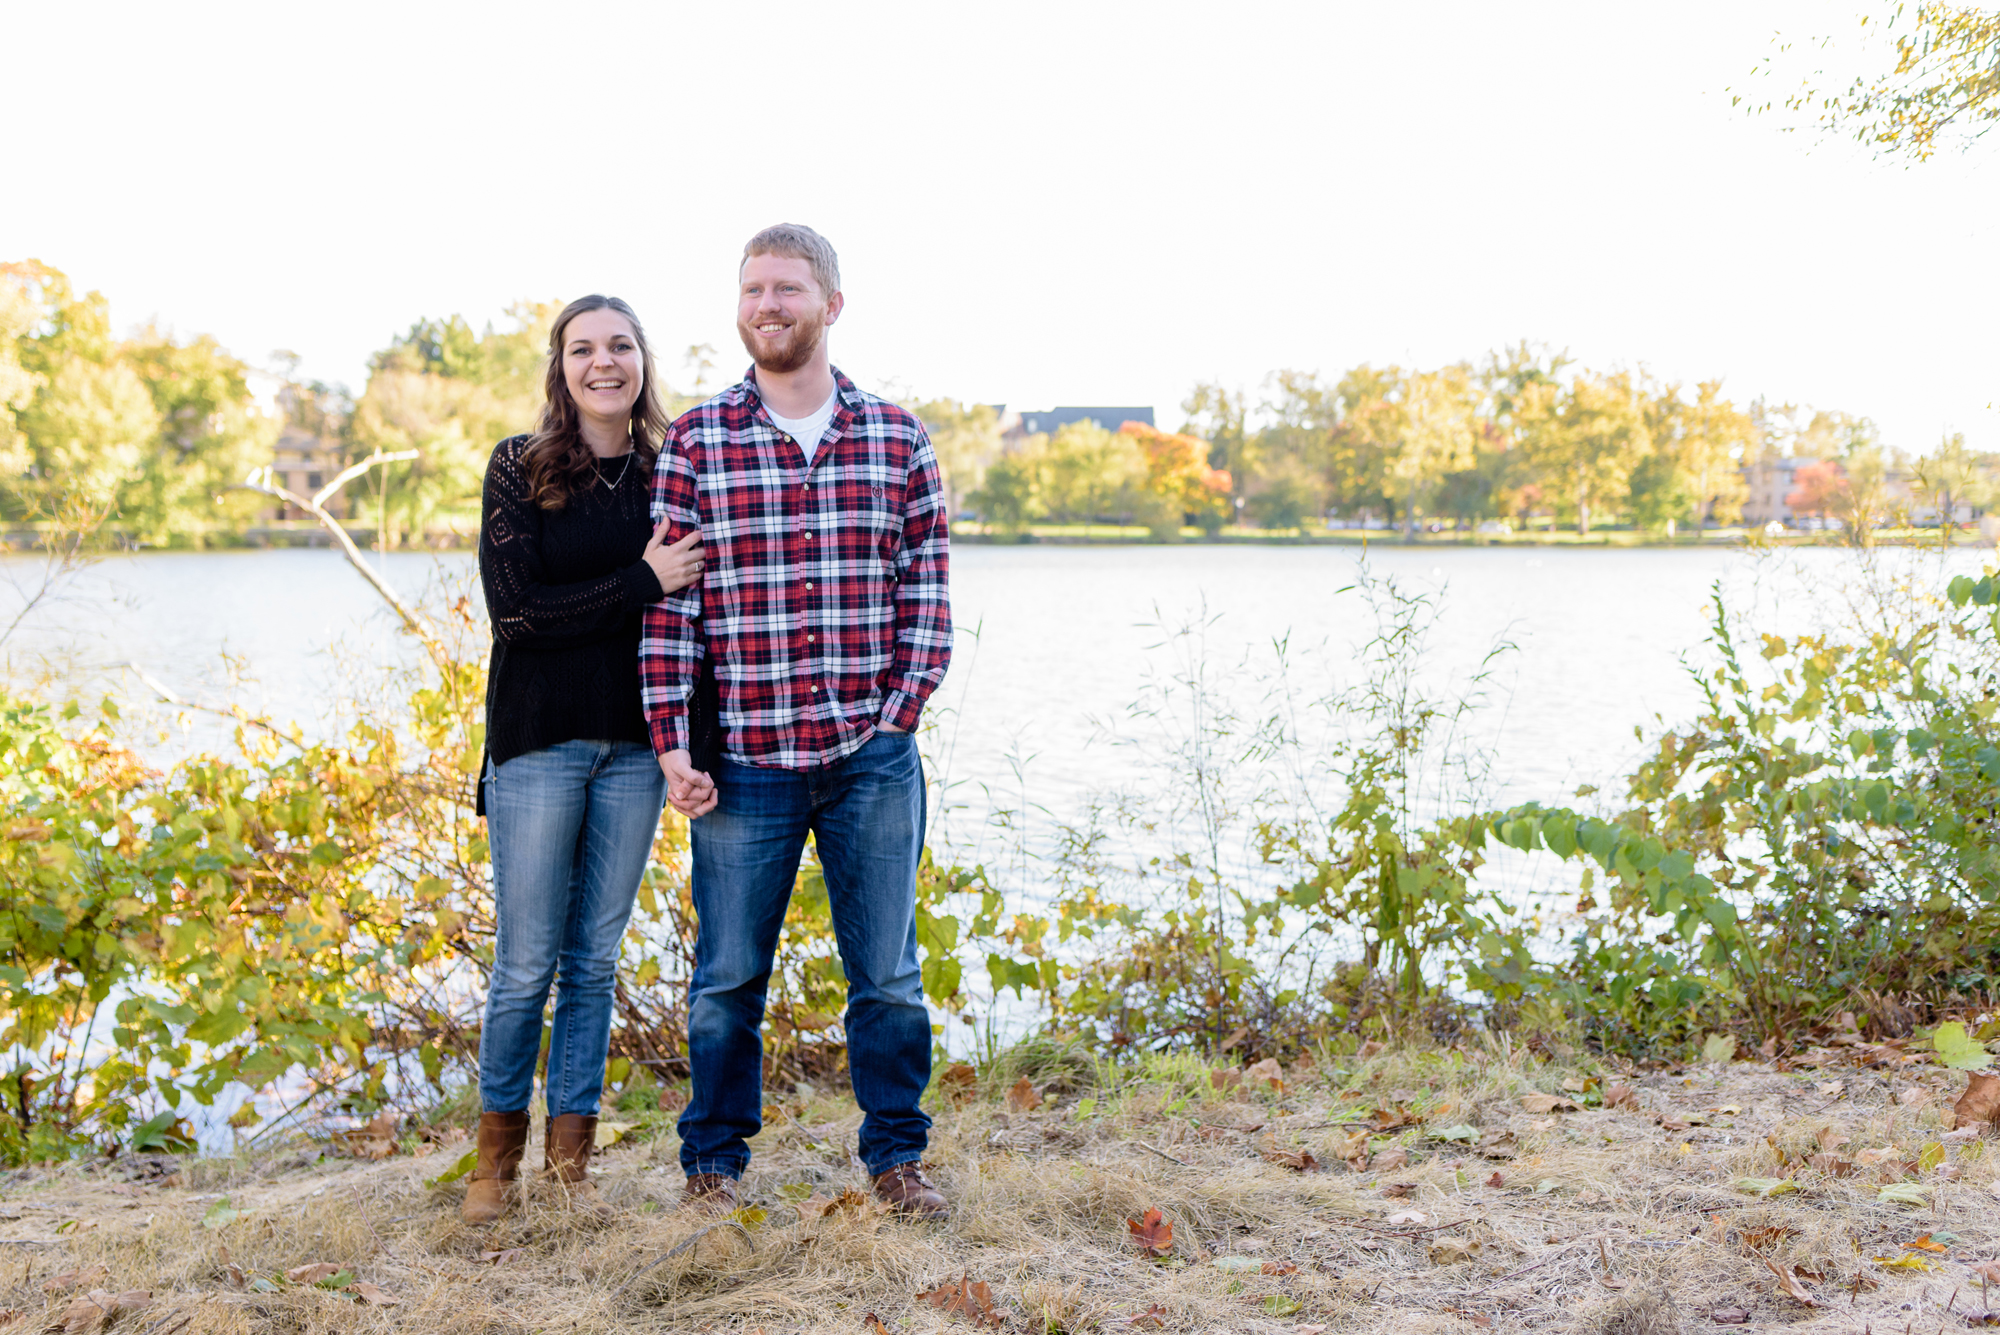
(677, 566)
(689, 791)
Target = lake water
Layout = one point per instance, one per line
(1054, 642)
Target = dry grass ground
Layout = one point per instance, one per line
(1632, 1219)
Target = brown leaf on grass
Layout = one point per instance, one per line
(1988, 1271)
(1789, 1285)
(312, 1272)
(1980, 1102)
(377, 1140)
(504, 1256)
(973, 1302)
(873, 1325)
(1924, 1244)
(9, 1315)
(70, 1279)
(1396, 1190)
(1496, 1181)
(959, 1083)
(1355, 1146)
(1546, 1103)
(1392, 1119)
(374, 1295)
(1279, 1268)
(1621, 1096)
(1766, 1237)
(1152, 1234)
(1452, 1251)
(1299, 1161)
(1389, 1160)
(1152, 1318)
(98, 1308)
(1833, 1165)
(1023, 1097)
(848, 1202)
(1225, 1077)
(1479, 1319)
(1371, 1048)
(814, 1207)
(1268, 1073)
(237, 1279)
(1729, 1316)
(1614, 1282)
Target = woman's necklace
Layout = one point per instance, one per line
(613, 486)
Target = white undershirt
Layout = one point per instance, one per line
(807, 431)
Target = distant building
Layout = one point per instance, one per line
(303, 463)
(1769, 483)
(1016, 426)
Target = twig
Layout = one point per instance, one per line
(1393, 1233)
(1163, 1154)
(682, 1246)
(1516, 1274)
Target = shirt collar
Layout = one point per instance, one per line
(843, 389)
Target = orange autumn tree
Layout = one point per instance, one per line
(1180, 486)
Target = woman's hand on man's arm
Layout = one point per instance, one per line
(678, 565)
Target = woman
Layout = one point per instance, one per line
(571, 791)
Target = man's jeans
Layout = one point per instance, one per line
(866, 814)
(570, 828)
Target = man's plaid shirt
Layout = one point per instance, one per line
(823, 600)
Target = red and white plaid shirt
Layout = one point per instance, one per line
(823, 600)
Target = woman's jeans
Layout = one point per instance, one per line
(570, 828)
(866, 815)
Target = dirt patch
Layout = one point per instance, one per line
(1411, 1192)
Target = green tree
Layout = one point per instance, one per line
(1586, 439)
(1010, 494)
(966, 438)
(210, 435)
(1699, 448)
(1439, 437)
(451, 395)
(1090, 473)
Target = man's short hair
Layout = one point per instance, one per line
(795, 241)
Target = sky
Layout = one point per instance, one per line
(1034, 204)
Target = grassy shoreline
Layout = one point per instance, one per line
(1447, 1190)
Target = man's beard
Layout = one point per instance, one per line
(805, 338)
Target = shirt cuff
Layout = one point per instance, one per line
(641, 584)
(900, 709)
(669, 731)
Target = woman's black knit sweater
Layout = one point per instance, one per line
(564, 589)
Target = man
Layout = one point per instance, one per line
(823, 609)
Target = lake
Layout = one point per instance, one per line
(1055, 642)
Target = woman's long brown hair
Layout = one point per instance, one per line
(557, 461)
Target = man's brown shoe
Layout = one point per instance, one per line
(710, 1194)
(502, 1138)
(566, 1150)
(906, 1190)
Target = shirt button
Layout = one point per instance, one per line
(810, 639)
(815, 690)
(808, 584)
(809, 537)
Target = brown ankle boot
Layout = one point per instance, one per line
(566, 1151)
(906, 1190)
(502, 1139)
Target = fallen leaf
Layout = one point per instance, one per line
(1886, 1154)
(1235, 1265)
(973, 1302)
(9, 1315)
(1496, 1180)
(374, 1295)
(610, 1133)
(874, 1325)
(815, 1207)
(1613, 1282)
(312, 1272)
(1355, 1146)
(1718, 1048)
(1910, 1262)
(1152, 1318)
(1959, 1050)
(848, 1202)
(1988, 1271)
(1280, 1268)
(1396, 1190)
(1267, 1072)
(1761, 1239)
(1925, 1244)
(220, 1215)
(1729, 1316)
(504, 1256)
(1451, 1251)
(1391, 1119)
(1417, 1217)
(237, 1279)
(1226, 1077)
(1964, 1135)
(1023, 1097)
(1389, 1160)
(1371, 1048)
(1152, 1234)
(376, 1140)
(1546, 1103)
(70, 1279)
(1299, 1161)
(1766, 1186)
(1833, 1165)
(1904, 1193)
(97, 1308)
(1980, 1102)
(959, 1083)
(1280, 1304)
(1460, 1132)
(1916, 1096)
(1320, 1330)
(1789, 1285)
(1621, 1096)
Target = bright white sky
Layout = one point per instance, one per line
(1034, 203)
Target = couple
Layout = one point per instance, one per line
(790, 537)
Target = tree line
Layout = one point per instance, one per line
(154, 430)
